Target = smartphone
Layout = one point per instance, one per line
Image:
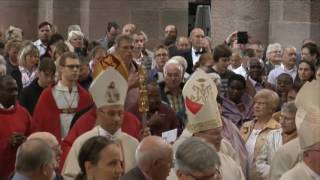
(242, 37)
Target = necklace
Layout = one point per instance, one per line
(69, 109)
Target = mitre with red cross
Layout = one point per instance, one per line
(202, 110)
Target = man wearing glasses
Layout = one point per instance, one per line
(58, 104)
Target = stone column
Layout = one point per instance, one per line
(241, 15)
(290, 22)
(21, 14)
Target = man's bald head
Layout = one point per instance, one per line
(50, 139)
(33, 154)
(150, 150)
(196, 38)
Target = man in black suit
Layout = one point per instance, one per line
(192, 56)
(154, 160)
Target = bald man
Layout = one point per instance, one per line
(34, 160)
(192, 55)
(52, 142)
(154, 160)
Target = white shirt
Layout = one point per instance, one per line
(272, 77)
(26, 76)
(239, 70)
(103, 132)
(251, 143)
(64, 99)
(41, 47)
(195, 58)
(9, 108)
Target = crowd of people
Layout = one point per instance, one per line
(187, 109)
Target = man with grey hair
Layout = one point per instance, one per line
(171, 88)
(201, 162)
(274, 56)
(154, 159)
(288, 65)
(277, 138)
(35, 160)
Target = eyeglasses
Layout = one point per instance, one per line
(72, 66)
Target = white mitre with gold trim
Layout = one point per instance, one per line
(202, 110)
(109, 88)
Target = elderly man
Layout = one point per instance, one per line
(202, 162)
(35, 160)
(44, 34)
(52, 142)
(154, 160)
(15, 124)
(171, 88)
(204, 121)
(109, 91)
(274, 56)
(161, 56)
(288, 65)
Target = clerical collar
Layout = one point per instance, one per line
(9, 108)
(103, 132)
(61, 87)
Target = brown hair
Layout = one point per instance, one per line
(64, 56)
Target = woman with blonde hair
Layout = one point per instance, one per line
(255, 132)
(75, 40)
(28, 62)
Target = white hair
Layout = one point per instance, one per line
(274, 47)
(181, 60)
(174, 63)
(73, 34)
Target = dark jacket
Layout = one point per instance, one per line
(134, 174)
(29, 95)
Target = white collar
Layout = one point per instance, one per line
(62, 87)
(310, 172)
(103, 132)
(9, 108)
(285, 69)
(194, 50)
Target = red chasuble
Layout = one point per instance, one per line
(46, 115)
(16, 120)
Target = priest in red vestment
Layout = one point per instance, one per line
(58, 104)
(15, 125)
